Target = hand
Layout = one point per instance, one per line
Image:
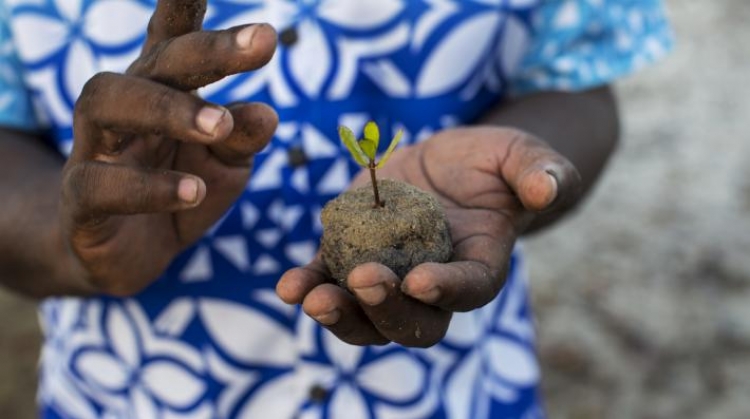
(153, 166)
(492, 182)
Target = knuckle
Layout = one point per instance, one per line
(147, 64)
(213, 41)
(162, 101)
(144, 194)
(153, 27)
(77, 185)
(91, 95)
(95, 84)
(79, 189)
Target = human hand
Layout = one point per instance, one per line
(492, 183)
(153, 166)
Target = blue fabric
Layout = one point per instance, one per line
(210, 338)
(586, 43)
(15, 104)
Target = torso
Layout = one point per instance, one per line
(210, 339)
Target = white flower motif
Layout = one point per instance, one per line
(248, 340)
(246, 334)
(310, 61)
(396, 379)
(59, 318)
(136, 373)
(76, 29)
(475, 40)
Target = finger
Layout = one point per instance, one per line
(254, 126)
(542, 179)
(296, 283)
(473, 280)
(395, 315)
(94, 190)
(456, 286)
(328, 304)
(201, 58)
(137, 106)
(336, 310)
(173, 18)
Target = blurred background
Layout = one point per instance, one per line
(643, 296)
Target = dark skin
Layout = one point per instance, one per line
(153, 166)
(146, 180)
(499, 184)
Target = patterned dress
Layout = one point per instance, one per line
(210, 339)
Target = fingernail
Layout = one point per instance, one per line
(430, 296)
(187, 190)
(371, 295)
(245, 37)
(209, 118)
(328, 319)
(553, 182)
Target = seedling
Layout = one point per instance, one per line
(364, 150)
(412, 229)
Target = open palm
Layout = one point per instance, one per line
(492, 182)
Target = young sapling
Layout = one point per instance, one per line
(364, 150)
(391, 223)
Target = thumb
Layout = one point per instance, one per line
(542, 179)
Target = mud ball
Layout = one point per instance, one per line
(411, 228)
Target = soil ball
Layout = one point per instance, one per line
(410, 229)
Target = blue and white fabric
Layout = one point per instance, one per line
(15, 103)
(210, 339)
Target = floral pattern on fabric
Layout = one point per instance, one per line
(210, 339)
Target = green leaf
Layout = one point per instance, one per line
(372, 133)
(350, 141)
(369, 146)
(371, 141)
(394, 142)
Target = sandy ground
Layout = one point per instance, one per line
(642, 297)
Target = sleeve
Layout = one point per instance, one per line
(15, 99)
(580, 44)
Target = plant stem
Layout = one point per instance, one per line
(378, 204)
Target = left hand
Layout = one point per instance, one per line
(492, 183)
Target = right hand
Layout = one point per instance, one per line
(153, 166)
